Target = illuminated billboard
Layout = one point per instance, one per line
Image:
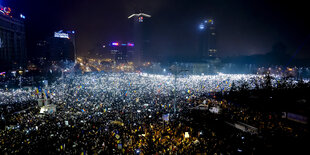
(61, 35)
(115, 44)
(123, 44)
(130, 44)
(5, 10)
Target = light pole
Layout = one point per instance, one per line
(63, 83)
(20, 77)
(175, 70)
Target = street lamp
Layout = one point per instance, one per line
(20, 77)
(175, 70)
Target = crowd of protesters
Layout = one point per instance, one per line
(125, 113)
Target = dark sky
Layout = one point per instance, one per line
(243, 27)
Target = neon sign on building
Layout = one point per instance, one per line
(61, 35)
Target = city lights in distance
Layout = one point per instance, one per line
(115, 44)
(122, 44)
(130, 44)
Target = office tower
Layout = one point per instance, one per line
(207, 39)
(140, 36)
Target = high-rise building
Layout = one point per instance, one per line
(141, 36)
(12, 40)
(62, 46)
(122, 52)
(60, 49)
(207, 39)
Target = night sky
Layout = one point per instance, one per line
(243, 27)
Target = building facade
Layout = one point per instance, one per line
(12, 42)
(60, 47)
(122, 52)
(140, 34)
(207, 39)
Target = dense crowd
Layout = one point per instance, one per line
(120, 113)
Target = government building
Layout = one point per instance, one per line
(12, 41)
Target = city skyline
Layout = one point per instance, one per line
(244, 28)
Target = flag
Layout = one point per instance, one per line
(166, 117)
(125, 93)
(46, 94)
